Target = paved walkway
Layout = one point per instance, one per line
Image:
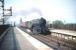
(15, 40)
(23, 43)
(8, 42)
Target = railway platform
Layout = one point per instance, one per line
(68, 32)
(58, 39)
(16, 39)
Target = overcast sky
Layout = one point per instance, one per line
(51, 10)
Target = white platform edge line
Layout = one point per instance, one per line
(36, 43)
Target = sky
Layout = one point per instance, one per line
(51, 10)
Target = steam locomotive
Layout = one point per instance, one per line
(38, 26)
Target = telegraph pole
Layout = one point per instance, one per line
(3, 11)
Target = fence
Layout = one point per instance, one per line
(66, 26)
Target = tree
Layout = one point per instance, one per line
(58, 24)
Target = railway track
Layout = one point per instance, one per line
(55, 42)
(51, 42)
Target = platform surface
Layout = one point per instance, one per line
(16, 39)
(67, 32)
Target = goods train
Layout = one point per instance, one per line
(37, 26)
